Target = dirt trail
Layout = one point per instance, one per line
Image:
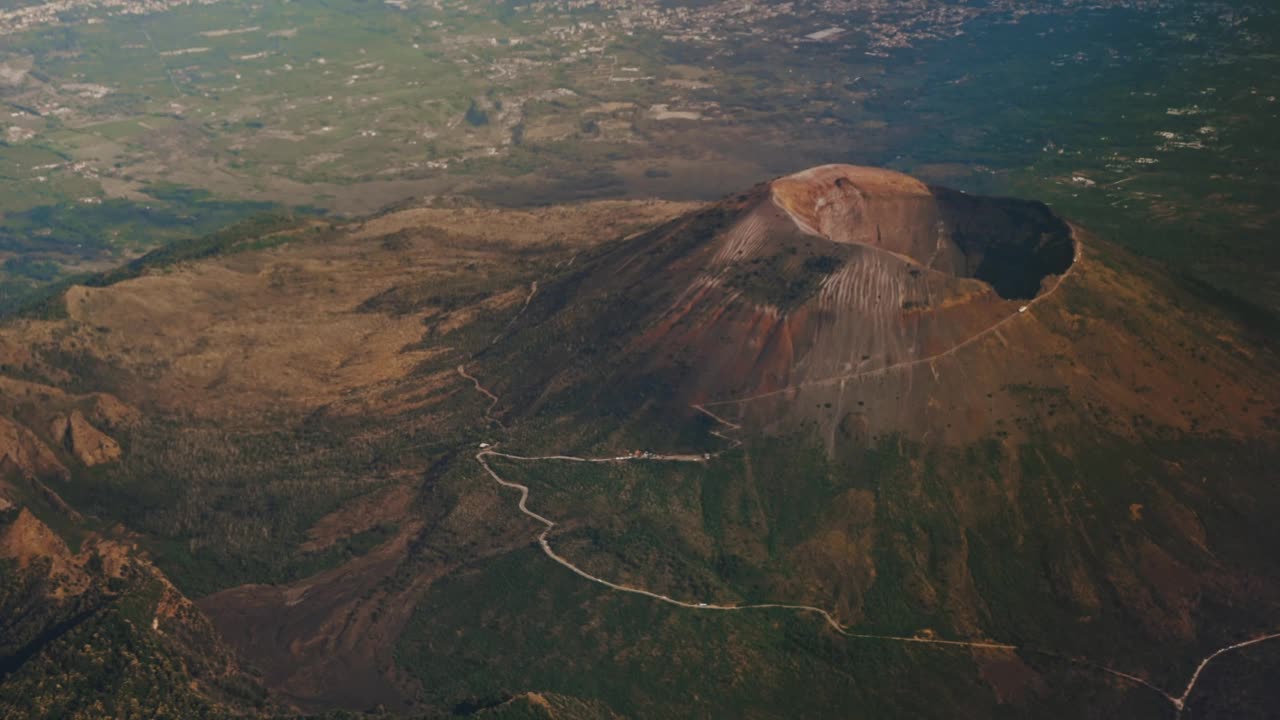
(493, 399)
(533, 290)
(1180, 702)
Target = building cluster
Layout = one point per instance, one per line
(883, 23)
(55, 11)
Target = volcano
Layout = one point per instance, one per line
(951, 412)
(868, 303)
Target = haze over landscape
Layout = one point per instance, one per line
(639, 358)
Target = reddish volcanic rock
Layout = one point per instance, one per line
(870, 206)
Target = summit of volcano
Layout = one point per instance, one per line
(868, 303)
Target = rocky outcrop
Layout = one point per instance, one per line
(64, 594)
(112, 413)
(23, 453)
(88, 444)
(27, 541)
(75, 427)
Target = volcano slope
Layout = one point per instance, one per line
(959, 417)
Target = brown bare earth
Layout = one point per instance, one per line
(326, 640)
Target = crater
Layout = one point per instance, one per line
(1010, 244)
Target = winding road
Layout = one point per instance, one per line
(545, 544)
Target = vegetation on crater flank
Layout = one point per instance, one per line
(784, 280)
(257, 233)
(945, 549)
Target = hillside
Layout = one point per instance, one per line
(255, 417)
